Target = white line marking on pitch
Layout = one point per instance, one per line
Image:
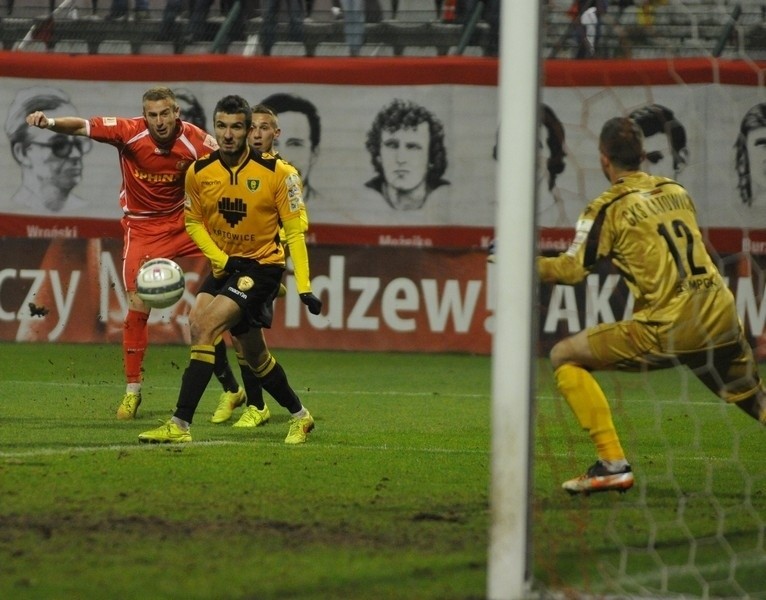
(301, 390)
(143, 447)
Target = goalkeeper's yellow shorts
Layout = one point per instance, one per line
(728, 370)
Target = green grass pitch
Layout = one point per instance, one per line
(388, 499)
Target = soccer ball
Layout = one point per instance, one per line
(160, 283)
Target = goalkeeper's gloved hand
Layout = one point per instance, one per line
(314, 303)
(235, 264)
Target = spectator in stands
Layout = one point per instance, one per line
(634, 24)
(654, 119)
(353, 24)
(119, 10)
(587, 18)
(406, 144)
(169, 28)
(490, 14)
(269, 26)
(51, 163)
(190, 107)
(301, 132)
(750, 157)
(198, 14)
(198, 26)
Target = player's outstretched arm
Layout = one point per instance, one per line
(563, 269)
(66, 125)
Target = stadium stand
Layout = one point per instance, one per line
(669, 28)
(78, 30)
(726, 28)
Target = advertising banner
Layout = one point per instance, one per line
(395, 272)
(398, 299)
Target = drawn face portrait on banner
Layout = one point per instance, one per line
(300, 135)
(404, 157)
(551, 148)
(664, 140)
(408, 152)
(557, 206)
(51, 163)
(190, 108)
(750, 159)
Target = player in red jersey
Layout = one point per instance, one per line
(155, 150)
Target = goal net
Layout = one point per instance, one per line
(694, 524)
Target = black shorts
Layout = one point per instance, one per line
(254, 290)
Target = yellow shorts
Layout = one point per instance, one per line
(729, 370)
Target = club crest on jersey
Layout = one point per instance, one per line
(245, 283)
(253, 184)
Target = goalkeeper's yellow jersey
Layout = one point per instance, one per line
(239, 212)
(647, 226)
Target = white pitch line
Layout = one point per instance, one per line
(384, 448)
(302, 391)
(711, 403)
(144, 447)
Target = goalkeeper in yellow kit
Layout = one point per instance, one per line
(236, 201)
(684, 313)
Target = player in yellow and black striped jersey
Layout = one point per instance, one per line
(263, 132)
(243, 210)
(684, 312)
(236, 201)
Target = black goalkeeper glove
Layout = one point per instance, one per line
(314, 303)
(235, 264)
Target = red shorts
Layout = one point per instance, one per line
(158, 237)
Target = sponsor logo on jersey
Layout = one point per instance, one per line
(156, 177)
(233, 210)
(294, 192)
(245, 283)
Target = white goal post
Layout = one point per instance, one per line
(512, 364)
